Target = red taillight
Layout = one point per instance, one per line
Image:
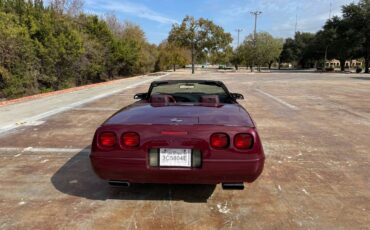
(219, 140)
(130, 139)
(243, 141)
(107, 139)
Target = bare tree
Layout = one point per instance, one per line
(74, 7)
(58, 5)
(71, 7)
(114, 24)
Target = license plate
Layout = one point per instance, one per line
(175, 157)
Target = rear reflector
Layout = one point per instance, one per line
(107, 139)
(243, 141)
(130, 139)
(219, 140)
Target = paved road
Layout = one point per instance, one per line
(315, 130)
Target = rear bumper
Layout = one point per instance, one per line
(211, 172)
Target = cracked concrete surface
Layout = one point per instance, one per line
(315, 130)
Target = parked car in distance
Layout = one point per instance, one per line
(180, 132)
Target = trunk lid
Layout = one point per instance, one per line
(182, 114)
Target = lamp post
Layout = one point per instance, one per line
(255, 13)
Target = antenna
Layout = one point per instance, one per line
(331, 4)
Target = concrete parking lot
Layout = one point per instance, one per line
(315, 130)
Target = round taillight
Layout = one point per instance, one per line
(130, 139)
(219, 140)
(107, 139)
(243, 141)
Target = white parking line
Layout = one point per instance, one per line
(42, 150)
(73, 105)
(95, 109)
(278, 100)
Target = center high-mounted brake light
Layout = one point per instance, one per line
(107, 139)
(130, 139)
(219, 140)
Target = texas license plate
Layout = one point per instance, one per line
(175, 157)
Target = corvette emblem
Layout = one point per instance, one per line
(176, 120)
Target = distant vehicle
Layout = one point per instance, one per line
(224, 67)
(180, 132)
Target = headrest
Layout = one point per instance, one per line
(161, 99)
(210, 99)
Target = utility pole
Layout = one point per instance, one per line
(296, 24)
(296, 20)
(238, 30)
(327, 45)
(255, 13)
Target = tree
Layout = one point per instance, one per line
(358, 17)
(268, 49)
(146, 53)
(237, 57)
(265, 51)
(55, 47)
(221, 56)
(288, 53)
(71, 7)
(302, 50)
(114, 24)
(342, 38)
(171, 55)
(201, 36)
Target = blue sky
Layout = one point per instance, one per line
(278, 17)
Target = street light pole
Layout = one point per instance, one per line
(238, 30)
(255, 13)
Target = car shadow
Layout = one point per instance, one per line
(76, 177)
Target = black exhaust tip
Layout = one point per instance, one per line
(117, 183)
(233, 186)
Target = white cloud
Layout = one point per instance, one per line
(131, 8)
(279, 16)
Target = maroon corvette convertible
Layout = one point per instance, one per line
(180, 132)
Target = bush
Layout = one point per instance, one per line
(44, 49)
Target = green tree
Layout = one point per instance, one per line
(223, 56)
(237, 57)
(171, 55)
(341, 38)
(265, 51)
(268, 49)
(358, 17)
(201, 36)
(288, 54)
(58, 46)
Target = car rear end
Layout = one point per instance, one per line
(177, 154)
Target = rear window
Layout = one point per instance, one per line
(188, 88)
(191, 92)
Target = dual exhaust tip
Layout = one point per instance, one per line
(225, 186)
(233, 186)
(118, 183)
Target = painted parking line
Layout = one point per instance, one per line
(290, 106)
(43, 150)
(95, 109)
(73, 105)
